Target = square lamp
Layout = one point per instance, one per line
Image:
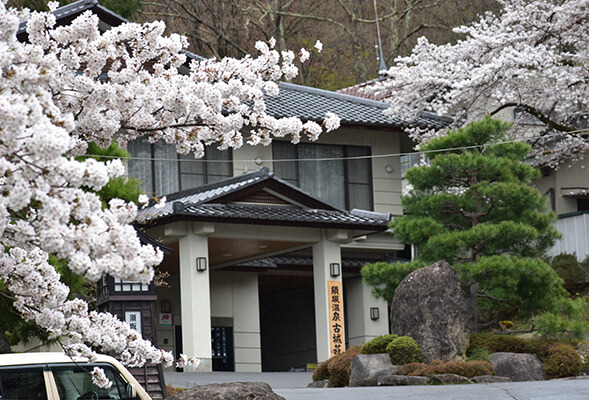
(334, 269)
(201, 264)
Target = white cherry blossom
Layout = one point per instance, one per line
(71, 85)
(533, 56)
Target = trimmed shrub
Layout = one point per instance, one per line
(410, 368)
(321, 372)
(339, 367)
(404, 350)
(467, 369)
(561, 360)
(377, 345)
(496, 343)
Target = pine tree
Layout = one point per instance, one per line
(473, 205)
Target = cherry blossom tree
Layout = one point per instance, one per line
(532, 57)
(71, 85)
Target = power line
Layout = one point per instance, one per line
(377, 156)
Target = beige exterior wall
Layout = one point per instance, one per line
(234, 296)
(570, 175)
(359, 300)
(165, 334)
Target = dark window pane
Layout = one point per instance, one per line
(286, 170)
(166, 169)
(140, 165)
(216, 168)
(22, 382)
(188, 181)
(323, 179)
(360, 170)
(191, 165)
(360, 196)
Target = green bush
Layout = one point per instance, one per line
(568, 268)
(467, 369)
(377, 345)
(478, 354)
(496, 343)
(404, 350)
(569, 318)
(561, 360)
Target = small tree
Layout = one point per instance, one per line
(473, 206)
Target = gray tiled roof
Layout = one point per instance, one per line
(201, 204)
(310, 103)
(298, 260)
(292, 215)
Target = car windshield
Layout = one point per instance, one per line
(74, 382)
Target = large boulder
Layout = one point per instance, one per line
(366, 368)
(518, 366)
(430, 306)
(228, 391)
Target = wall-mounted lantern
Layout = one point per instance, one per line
(201, 264)
(374, 313)
(334, 269)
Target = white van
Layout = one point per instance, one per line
(55, 376)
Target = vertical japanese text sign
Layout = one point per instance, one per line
(336, 317)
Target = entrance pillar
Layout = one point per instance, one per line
(195, 299)
(329, 311)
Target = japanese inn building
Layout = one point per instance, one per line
(267, 243)
(264, 245)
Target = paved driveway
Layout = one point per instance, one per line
(292, 386)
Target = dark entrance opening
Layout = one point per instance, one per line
(287, 322)
(178, 344)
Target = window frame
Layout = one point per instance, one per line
(207, 176)
(346, 148)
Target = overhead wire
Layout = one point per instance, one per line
(375, 156)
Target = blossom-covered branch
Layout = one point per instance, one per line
(532, 58)
(71, 85)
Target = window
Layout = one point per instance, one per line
(336, 179)
(75, 383)
(163, 171)
(408, 161)
(121, 285)
(582, 204)
(22, 382)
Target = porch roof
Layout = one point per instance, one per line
(236, 200)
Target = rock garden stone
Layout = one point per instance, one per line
(229, 391)
(366, 368)
(401, 380)
(430, 306)
(449, 378)
(490, 379)
(323, 383)
(518, 366)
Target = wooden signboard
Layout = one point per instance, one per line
(336, 317)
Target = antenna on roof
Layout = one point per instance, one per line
(379, 58)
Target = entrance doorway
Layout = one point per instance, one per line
(287, 322)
